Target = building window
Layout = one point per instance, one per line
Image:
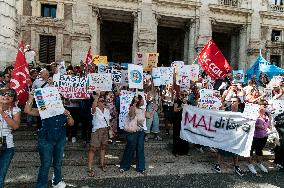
(277, 2)
(48, 10)
(276, 60)
(276, 36)
(47, 49)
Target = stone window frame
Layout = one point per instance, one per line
(50, 6)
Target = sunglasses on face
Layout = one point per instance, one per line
(7, 93)
(233, 101)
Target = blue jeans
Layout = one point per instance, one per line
(135, 142)
(50, 151)
(6, 157)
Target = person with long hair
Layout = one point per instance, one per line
(135, 140)
(10, 117)
(51, 142)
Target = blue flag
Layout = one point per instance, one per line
(261, 65)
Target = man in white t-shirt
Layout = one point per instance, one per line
(42, 81)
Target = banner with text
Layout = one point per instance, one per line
(48, 102)
(73, 87)
(97, 81)
(229, 131)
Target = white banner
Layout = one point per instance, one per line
(135, 76)
(156, 75)
(229, 131)
(48, 102)
(167, 75)
(73, 87)
(97, 81)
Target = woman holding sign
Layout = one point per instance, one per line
(51, 142)
(9, 120)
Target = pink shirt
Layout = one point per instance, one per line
(261, 132)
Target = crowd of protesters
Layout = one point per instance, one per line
(92, 117)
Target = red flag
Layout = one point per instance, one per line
(88, 60)
(21, 76)
(213, 61)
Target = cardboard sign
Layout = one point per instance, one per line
(156, 76)
(167, 75)
(135, 76)
(97, 81)
(229, 131)
(193, 72)
(238, 76)
(48, 102)
(151, 61)
(73, 87)
(139, 59)
(116, 76)
(97, 59)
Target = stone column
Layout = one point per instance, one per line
(243, 43)
(59, 47)
(234, 51)
(8, 25)
(60, 11)
(135, 35)
(205, 26)
(186, 44)
(191, 43)
(95, 30)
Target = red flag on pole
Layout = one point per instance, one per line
(88, 60)
(21, 76)
(213, 61)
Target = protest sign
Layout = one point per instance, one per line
(151, 61)
(209, 100)
(30, 56)
(97, 81)
(176, 65)
(73, 87)
(135, 76)
(267, 94)
(238, 76)
(139, 59)
(182, 75)
(193, 72)
(125, 101)
(124, 77)
(116, 76)
(229, 131)
(97, 59)
(251, 110)
(102, 68)
(156, 75)
(48, 102)
(61, 68)
(167, 74)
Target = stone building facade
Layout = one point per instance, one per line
(177, 29)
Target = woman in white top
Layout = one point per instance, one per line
(9, 120)
(99, 137)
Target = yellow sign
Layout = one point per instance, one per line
(151, 61)
(97, 59)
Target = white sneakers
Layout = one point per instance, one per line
(60, 185)
(252, 169)
(259, 165)
(262, 167)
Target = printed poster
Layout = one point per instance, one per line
(98, 81)
(182, 76)
(151, 61)
(73, 87)
(167, 75)
(209, 100)
(156, 76)
(238, 76)
(116, 76)
(139, 59)
(135, 76)
(49, 102)
(229, 131)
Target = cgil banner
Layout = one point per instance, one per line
(97, 81)
(73, 87)
(48, 102)
(229, 131)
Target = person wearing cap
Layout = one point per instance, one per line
(99, 136)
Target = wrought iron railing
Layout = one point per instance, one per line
(277, 8)
(233, 3)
